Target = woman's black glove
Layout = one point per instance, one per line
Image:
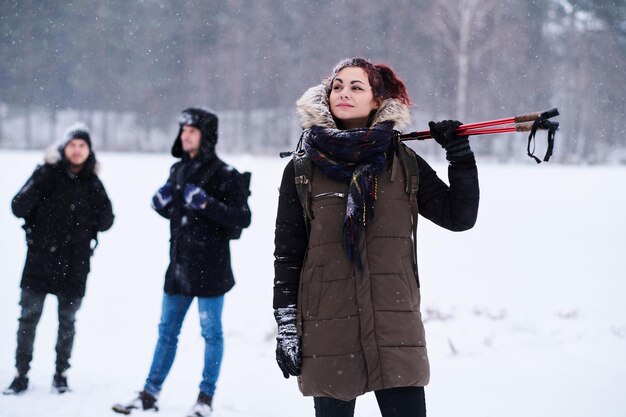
(288, 345)
(457, 147)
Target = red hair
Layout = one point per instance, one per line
(384, 81)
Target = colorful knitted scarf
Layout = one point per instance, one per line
(355, 156)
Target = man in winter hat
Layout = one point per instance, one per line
(76, 131)
(64, 205)
(205, 200)
(203, 120)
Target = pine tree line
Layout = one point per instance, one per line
(130, 67)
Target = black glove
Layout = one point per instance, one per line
(457, 147)
(288, 345)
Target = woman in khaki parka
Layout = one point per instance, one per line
(346, 289)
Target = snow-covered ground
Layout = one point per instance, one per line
(526, 313)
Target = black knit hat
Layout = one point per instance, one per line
(202, 119)
(56, 152)
(75, 131)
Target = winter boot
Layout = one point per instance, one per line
(144, 401)
(59, 384)
(18, 386)
(202, 407)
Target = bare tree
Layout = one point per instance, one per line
(466, 29)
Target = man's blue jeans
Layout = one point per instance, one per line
(172, 315)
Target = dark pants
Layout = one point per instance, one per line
(393, 402)
(32, 307)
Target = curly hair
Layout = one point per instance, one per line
(384, 81)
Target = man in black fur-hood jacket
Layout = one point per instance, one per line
(64, 205)
(204, 200)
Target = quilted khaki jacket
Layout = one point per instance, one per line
(361, 328)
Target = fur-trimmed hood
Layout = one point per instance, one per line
(314, 110)
(54, 155)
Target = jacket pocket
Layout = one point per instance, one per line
(323, 196)
(411, 277)
(314, 292)
(329, 199)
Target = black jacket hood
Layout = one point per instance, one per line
(202, 119)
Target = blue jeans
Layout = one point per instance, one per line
(172, 315)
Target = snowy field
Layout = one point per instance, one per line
(525, 314)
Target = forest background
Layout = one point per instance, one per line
(128, 68)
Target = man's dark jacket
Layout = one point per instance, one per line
(63, 213)
(199, 245)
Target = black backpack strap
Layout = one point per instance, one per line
(408, 160)
(246, 176)
(213, 168)
(303, 168)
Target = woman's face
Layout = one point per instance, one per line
(351, 98)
